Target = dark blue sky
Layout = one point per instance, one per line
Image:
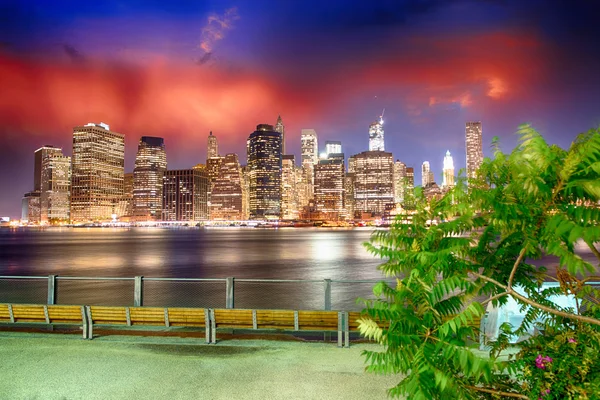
(179, 69)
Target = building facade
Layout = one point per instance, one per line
(279, 127)
(448, 170)
(427, 177)
(333, 147)
(150, 167)
(289, 192)
(376, 138)
(185, 195)
(373, 181)
(55, 189)
(38, 158)
(474, 147)
(329, 188)
(97, 173)
(264, 168)
(399, 181)
(212, 147)
(30, 208)
(226, 199)
(310, 155)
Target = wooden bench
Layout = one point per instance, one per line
(149, 316)
(286, 320)
(44, 314)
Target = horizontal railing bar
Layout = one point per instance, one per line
(187, 279)
(22, 277)
(279, 280)
(360, 281)
(92, 278)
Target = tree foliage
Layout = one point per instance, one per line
(537, 200)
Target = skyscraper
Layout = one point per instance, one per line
(289, 193)
(409, 192)
(329, 188)
(279, 127)
(333, 147)
(212, 148)
(264, 165)
(185, 195)
(474, 146)
(310, 156)
(376, 140)
(427, 177)
(373, 181)
(97, 172)
(55, 188)
(150, 167)
(448, 170)
(399, 181)
(226, 199)
(39, 156)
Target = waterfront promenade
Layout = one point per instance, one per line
(60, 366)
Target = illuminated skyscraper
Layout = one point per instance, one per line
(39, 156)
(329, 188)
(97, 172)
(376, 140)
(310, 154)
(373, 181)
(349, 194)
(448, 170)
(264, 164)
(150, 167)
(185, 195)
(333, 147)
(427, 177)
(474, 146)
(409, 188)
(226, 199)
(30, 207)
(399, 181)
(55, 188)
(289, 193)
(212, 148)
(128, 194)
(279, 127)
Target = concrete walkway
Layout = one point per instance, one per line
(53, 366)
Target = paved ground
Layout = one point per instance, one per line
(59, 366)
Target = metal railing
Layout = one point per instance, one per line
(293, 294)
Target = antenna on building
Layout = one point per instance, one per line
(383, 112)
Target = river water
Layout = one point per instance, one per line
(312, 254)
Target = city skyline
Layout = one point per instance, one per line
(179, 71)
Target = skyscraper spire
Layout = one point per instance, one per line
(376, 142)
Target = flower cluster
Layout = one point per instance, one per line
(544, 393)
(542, 361)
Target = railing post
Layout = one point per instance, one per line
(229, 289)
(138, 292)
(327, 294)
(51, 289)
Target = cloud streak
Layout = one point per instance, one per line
(216, 28)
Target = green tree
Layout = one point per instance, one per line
(539, 199)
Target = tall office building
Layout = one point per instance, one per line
(448, 170)
(212, 148)
(226, 199)
(373, 181)
(427, 177)
(97, 173)
(329, 188)
(399, 181)
(128, 194)
(310, 154)
(376, 140)
(264, 165)
(333, 147)
(474, 146)
(349, 194)
(30, 207)
(279, 127)
(185, 195)
(409, 188)
(150, 167)
(39, 156)
(289, 193)
(55, 188)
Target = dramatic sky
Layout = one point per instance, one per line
(178, 69)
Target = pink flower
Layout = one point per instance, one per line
(571, 340)
(542, 361)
